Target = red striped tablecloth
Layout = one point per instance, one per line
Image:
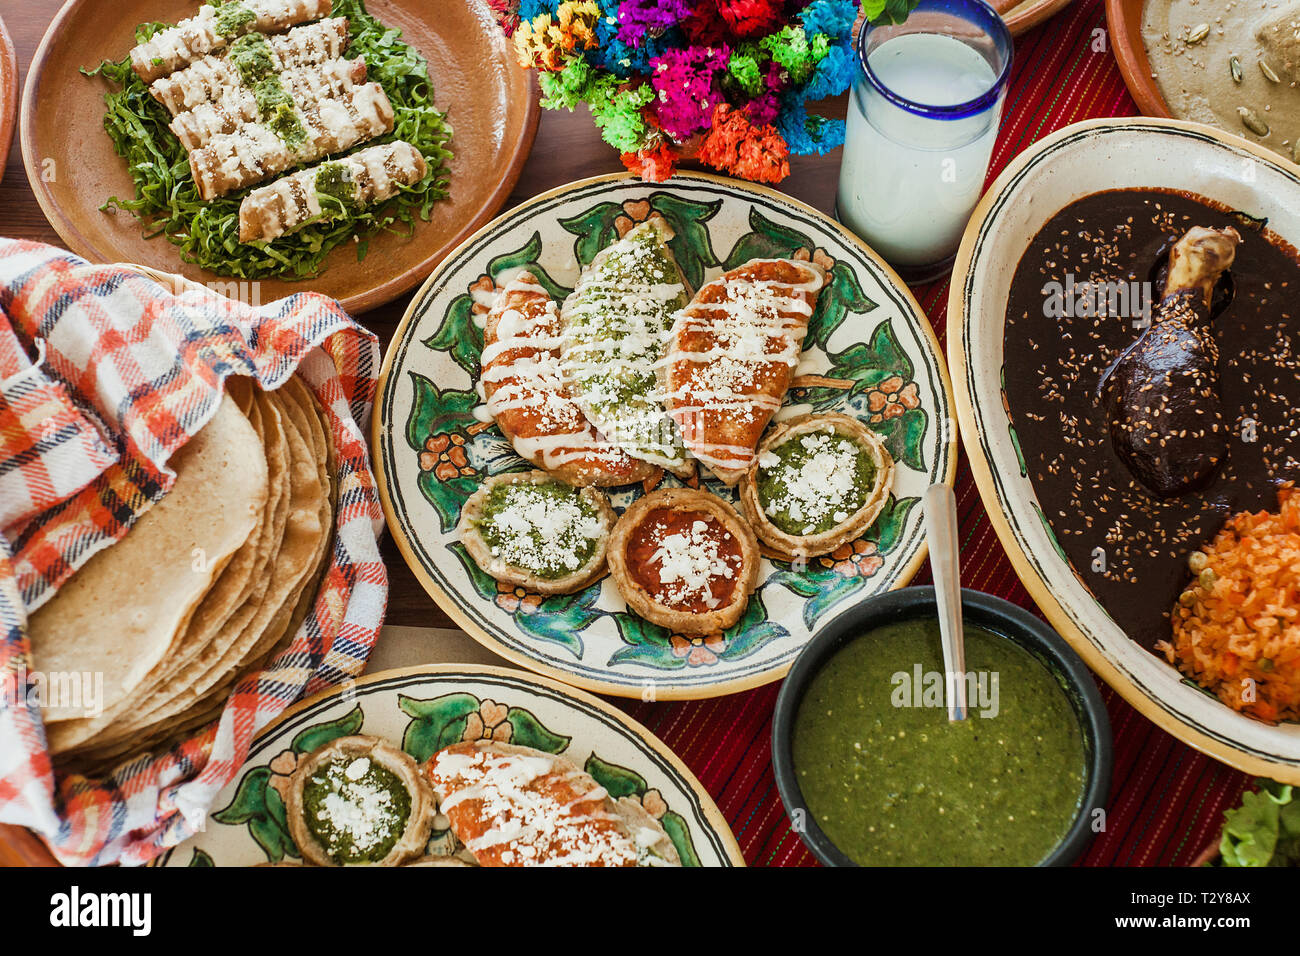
(1166, 799)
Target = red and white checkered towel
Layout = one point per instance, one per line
(103, 375)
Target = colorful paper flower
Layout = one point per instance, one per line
(830, 17)
(507, 14)
(791, 47)
(736, 146)
(638, 20)
(689, 88)
(653, 165)
(547, 42)
(806, 133)
(832, 74)
(722, 80)
(706, 27)
(751, 18)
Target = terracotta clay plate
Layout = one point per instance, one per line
(8, 94)
(1028, 14)
(73, 168)
(1124, 23)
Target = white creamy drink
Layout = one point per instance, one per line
(909, 181)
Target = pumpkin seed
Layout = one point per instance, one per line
(1199, 33)
(1250, 119)
(1268, 72)
(1234, 64)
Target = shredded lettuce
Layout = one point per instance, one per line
(167, 202)
(1265, 829)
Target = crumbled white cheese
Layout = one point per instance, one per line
(550, 813)
(823, 484)
(689, 562)
(361, 811)
(538, 530)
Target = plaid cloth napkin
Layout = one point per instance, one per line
(103, 375)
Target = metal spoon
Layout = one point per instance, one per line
(941, 530)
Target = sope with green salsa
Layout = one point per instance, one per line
(843, 478)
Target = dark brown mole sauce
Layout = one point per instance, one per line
(1054, 366)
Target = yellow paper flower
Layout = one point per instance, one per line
(547, 42)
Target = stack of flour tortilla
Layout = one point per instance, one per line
(208, 584)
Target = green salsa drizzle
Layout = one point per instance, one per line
(625, 391)
(252, 56)
(232, 18)
(333, 180)
(892, 783)
(338, 843)
(277, 110)
(548, 556)
(792, 459)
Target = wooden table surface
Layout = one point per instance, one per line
(568, 147)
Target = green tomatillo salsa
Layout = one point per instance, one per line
(892, 782)
(252, 56)
(231, 18)
(356, 809)
(548, 529)
(813, 482)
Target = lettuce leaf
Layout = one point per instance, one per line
(1265, 829)
(888, 11)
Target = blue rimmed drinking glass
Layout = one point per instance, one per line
(923, 118)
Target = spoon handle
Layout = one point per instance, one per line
(941, 532)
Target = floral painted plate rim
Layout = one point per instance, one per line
(704, 821)
(385, 431)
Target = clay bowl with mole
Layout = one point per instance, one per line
(957, 812)
(1075, 163)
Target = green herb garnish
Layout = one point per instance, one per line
(251, 56)
(1265, 829)
(167, 202)
(233, 17)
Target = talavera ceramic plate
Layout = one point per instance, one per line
(1072, 163)
(870, 352)
(428, 708)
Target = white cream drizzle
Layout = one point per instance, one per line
(517, 797)
(521, 367)
(753, 325)
(615, 332)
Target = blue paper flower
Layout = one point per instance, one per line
(832, 17)
(805, 132)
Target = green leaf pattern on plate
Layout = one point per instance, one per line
(434, 724)
(259, 798)
(872, 380)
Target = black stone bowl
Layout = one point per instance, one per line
(992, 613)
